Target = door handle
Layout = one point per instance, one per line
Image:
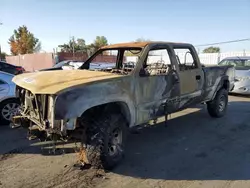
(198, 77)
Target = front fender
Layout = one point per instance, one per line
(74, 102)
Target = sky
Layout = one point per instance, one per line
(53, 22)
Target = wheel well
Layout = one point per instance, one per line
(226, 85)
(10, 99)
(117, 107)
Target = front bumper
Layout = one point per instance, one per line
(58, 125)
(241, 87)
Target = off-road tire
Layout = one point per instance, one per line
(4, 121)
(97, 141)
(218, 106)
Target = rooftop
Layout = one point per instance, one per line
(135, 44)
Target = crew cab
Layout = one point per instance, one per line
(101, 105)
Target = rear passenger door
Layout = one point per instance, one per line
(191, 75)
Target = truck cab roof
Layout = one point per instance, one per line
(142, 44)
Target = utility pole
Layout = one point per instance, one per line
(0, 45)
(73, 41)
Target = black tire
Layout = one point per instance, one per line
(3, 105)
(98, 145)
(218, 106)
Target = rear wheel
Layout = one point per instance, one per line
(105, 144)
(218, 106)
(8, 109)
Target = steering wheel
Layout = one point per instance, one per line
(130, 63)
(126, 66)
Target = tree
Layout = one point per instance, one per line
(23, 42)
(142, 40)
(99, 42)
(211, 49)
(74, 46)
(3, 55)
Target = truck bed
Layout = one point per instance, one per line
(214, 71)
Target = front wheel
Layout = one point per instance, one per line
(105, 142)
(218, 106)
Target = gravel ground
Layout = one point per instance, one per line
(193, 150)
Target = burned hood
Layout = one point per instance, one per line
(52, 82)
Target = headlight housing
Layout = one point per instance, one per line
(245, 78)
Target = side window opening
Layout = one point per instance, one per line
(158, 62)
(185, 59)
(130, 59)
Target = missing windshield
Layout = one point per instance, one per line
(121, 61)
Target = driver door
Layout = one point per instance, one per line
(157, 88)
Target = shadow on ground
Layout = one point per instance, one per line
(191, 147)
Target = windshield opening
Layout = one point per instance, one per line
(60, 64)
(121, 60)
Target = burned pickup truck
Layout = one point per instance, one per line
(101, 105)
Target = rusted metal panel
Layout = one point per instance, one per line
(146, 97)
(32, 62)
(131, 44)
(53, 82)
(137, 44)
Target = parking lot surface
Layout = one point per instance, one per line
(191, 150)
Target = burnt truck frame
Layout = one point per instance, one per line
(100, 106)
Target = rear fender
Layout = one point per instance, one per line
(224, 83)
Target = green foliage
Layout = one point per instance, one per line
(74, 46)
(142, 40)
(99, 42)
(3, 55)
(211, 49)
(23, 42)
(80, 46)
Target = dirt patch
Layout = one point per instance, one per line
(194, 150)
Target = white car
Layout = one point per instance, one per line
(9, 103)
(72, 65)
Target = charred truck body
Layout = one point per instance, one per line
(101, 105)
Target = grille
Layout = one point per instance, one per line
(33, 106)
